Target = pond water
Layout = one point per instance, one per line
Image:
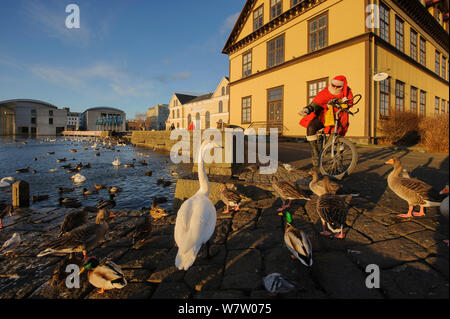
(137, 188)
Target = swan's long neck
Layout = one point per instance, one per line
(202, 177)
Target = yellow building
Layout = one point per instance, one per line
(206, 111)
(283, 52)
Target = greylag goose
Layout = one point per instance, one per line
(230, 198)
(444, 206)
(196, 218)
(80, 239)
(275, 284)
(104, 275)
(316, 185)
(414, 191)
(297, 242)
(287, 190)
(73, 220)
(332, 210)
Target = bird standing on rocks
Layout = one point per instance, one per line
(414, 191)
(287, 190)
(104, 275)
(230, 198)
(73, 220)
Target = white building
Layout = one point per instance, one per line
(31, 117)
(73, 120)
(156, 117)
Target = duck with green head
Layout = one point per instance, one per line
(297, 241)
(104, 275)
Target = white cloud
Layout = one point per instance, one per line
(229, 22)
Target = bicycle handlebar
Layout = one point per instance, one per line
(336, 103)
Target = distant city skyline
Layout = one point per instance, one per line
(129, 55)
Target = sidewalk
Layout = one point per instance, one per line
(248, 245)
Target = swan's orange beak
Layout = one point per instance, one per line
(391, 161)
(445, 190)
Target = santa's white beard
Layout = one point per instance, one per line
(335, 91)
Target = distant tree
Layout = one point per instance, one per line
(140, 121)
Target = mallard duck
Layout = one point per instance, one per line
(38, 198)
(52, 170)
(4, 182)
(66, 166)
(78, 178)
(157, 212)
(116, 162)
(316, 185)
(143, 163)
(65, 190)
(97, 154)
(297, 241)
(160, 181)
(287, 190)
(148, 173)
(50, 153)
(100, 186)
(88, 165)
(230, 198)
(444, 206)
(128, 165)
(114, 189)
(73, 150)
(61, 160)
(5, 209)
(73, 220)
(414, 191)
(23, 170)
(143, 230)
(11, 244)
(196, 218)
(87, 192)
(107, 204)
(275, 284)
(104, 275)
(332, 210)
(69, 202)
(80, 239)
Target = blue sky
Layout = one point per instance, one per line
(128, 54)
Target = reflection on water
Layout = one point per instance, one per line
(137, 188)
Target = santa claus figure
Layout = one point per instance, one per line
(314, 114)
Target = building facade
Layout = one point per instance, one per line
(156, 117)
(283, 52)
(103, 118)
(210, 110)
(31, 117)
(73, 120)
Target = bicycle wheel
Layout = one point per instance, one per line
(339, 160)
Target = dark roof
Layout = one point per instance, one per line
(184, 98)
(201, 97)
(104, 108)
(29, 101)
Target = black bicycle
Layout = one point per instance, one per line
(338, 155)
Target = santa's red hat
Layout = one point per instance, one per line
(339, 80)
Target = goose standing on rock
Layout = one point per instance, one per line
(230, 198)
(414, 191)
(332, 210)
(196, 218)
(80, 239)
(73, 220)
(316, 185)
(287, 190)
(297, 242)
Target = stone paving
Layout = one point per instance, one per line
(248, 245)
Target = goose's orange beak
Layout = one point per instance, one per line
(391, 161)
(444, 191)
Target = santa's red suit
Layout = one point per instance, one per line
(322, 99)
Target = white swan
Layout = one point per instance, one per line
(78, 178)
(196, 218)
(116, 162)
(3, 182)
